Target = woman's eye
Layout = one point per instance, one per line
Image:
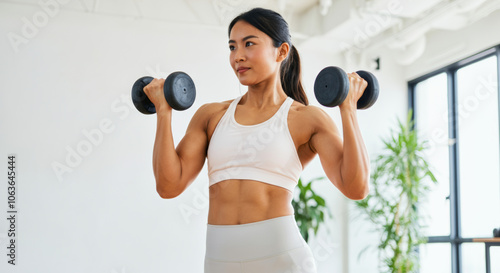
(246, 44)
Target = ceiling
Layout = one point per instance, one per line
(343, 25)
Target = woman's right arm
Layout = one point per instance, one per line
(176, 168)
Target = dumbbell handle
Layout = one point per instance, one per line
(140, 99)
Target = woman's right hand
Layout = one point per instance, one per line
(154, 91)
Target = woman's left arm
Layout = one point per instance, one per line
(345, 163)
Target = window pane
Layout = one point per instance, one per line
(435, 258)
(431, 117)
(473, 259)
(478, 147)
(495, 262)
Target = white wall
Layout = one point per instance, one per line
(74, 76)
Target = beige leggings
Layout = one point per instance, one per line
(272, 246)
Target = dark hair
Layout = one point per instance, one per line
(273, 24)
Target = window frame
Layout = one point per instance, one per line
(455, 238)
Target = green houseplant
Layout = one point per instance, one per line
(309, 208)
(398, 184)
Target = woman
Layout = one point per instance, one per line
(256, 146)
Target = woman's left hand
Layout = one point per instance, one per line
(357, 86)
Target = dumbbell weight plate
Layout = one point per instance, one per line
(331, 86)
(180, 91)
(140, 99)
(370, 94)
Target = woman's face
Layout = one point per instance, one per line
(252, 54)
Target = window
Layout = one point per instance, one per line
(478, 149)
(456, 109)
(432, 124)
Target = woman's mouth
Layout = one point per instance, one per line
(242, 69)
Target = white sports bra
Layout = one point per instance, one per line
(263, 152)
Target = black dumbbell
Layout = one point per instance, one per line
(178, 88)
(332, 85)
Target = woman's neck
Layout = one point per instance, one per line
(264, 94)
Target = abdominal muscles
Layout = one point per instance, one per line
(238, 201)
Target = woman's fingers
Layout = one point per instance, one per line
(357, 85)
(154, 91)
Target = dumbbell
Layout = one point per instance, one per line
(332, 85)
(178, 88)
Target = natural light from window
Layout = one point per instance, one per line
(479, 148)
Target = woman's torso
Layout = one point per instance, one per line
(237, 201)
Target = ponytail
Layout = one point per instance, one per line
(291, 77)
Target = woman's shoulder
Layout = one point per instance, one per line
(311, 113)
(216, 105)
(306, 109)
(210, 109)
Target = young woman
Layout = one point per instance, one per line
(256, 148)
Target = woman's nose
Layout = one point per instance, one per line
(238, 56)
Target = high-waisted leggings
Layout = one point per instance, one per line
(272, 246)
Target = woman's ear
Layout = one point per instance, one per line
(283, 51)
